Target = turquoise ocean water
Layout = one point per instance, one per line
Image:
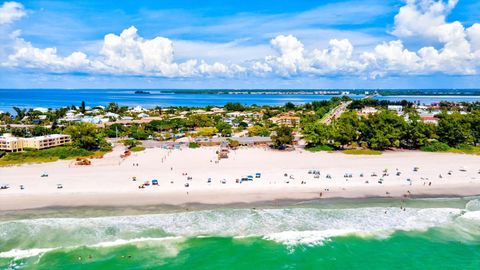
(372, 234)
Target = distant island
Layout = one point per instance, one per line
(141, 92)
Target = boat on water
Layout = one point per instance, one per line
(141, 92)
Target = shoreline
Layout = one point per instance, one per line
(177, 200)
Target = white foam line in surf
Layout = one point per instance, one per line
(24, 253)
(294, 238)
(473, 215)
(121, 242)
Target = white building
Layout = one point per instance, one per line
(41, 109)
(395, 108)
(137, 109)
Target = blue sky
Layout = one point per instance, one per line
(245, 44)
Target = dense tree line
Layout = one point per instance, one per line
(386, 129)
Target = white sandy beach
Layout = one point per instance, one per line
(108, 181)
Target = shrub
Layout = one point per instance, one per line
(362, 152)
(46, 155)
(130, 143)
(465, 147)
(2, 153)
(193, 145)
(318, 148)
(137, 148)
(435, 146)
(233, 143)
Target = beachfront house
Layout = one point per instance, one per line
(137, 109)
(216, 110)
(41, 109)
(396, 108)
(143, 115)
(429, 119)
(286, 119)
(366, 111)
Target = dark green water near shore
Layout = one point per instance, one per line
(363, 234)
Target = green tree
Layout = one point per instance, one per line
(115, 130)
(199, 120)
(417, 133)
(224, 128)
(317, 134)
(346, 129)
(207, 131)
(20, 113)
(257, 130)
(6, 118)
(454, 129)
(138, 132)
(82, 107)
(383, 130)
(231, 106)
(131, 143)
(166, 124)
(474, 120)
(233, 143)
(39, 131)
(289, 106)
(282, 136)
(112, 107)
(85, 135)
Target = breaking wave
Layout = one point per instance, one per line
(288, 226)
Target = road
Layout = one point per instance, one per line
(336, 112)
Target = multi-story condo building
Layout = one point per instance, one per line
(10, 143)
(13, 144)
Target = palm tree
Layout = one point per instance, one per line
(20, 113)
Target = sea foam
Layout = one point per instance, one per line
(286, 225)
(24, 253)
(309, 238)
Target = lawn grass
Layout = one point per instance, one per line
(318, 148)
(461, 149)
(137, 148)
(474, 150)
(46, 155)
(361, 152)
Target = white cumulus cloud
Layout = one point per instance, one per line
(26, 55)
(10, 12)
(452, 49)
